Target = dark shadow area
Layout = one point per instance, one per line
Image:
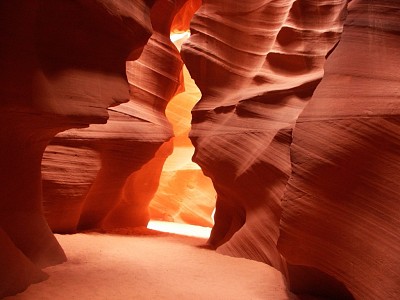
(310, 283)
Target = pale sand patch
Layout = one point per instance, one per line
(155, 266)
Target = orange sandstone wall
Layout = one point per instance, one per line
(257, 64)
(305, 170)
(183, 18)
(305, 174)
(123, 157)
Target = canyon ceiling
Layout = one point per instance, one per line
(297, 127)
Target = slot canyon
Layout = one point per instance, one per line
(271, 126)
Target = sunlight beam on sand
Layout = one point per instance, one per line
(182, 229)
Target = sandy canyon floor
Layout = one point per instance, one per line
(148, 264)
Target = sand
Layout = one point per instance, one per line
(153, 265)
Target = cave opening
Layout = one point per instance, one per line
(185, 198)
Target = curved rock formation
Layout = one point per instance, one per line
(67, 175)
(128, 177)
(257, 64)
(184, 194)
(341, 212)
(182, 19)
(17, 271)
(62, 63)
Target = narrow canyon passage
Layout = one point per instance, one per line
(184, 194)
(109, 124)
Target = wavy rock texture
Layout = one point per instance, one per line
(257, 64)
(62, 63)
(341, 210)
(130, 148)
(182, 19)
(67, 174)
(184, 194)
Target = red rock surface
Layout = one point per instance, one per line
(341, 210)
(257, 64)
(62, 63)
(17, 271)
(306, 181)
(119, 194)
(182, 19)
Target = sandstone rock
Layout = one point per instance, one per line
(67, 174)
(341, 213)
(17, 271)
(182, 19)
(257, 64)
(121, 191)
(62, 63)
(184, 194)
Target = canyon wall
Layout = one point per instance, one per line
(341, 209)
(304, 163)
(123, 159)
(257, 64)
(62, 64)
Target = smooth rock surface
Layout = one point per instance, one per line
(130, 148)
(62, 64)
(257, 64)
(304, 164)
(341, 210)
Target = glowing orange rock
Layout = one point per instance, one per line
(181, 22)
(184, 194)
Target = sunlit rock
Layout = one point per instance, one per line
(182, 19)
(184, 194)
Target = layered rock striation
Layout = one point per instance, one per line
(341, 209)
(305, 164)
(257, 64)
(335, 221)
(126, 155)
(62, 63)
